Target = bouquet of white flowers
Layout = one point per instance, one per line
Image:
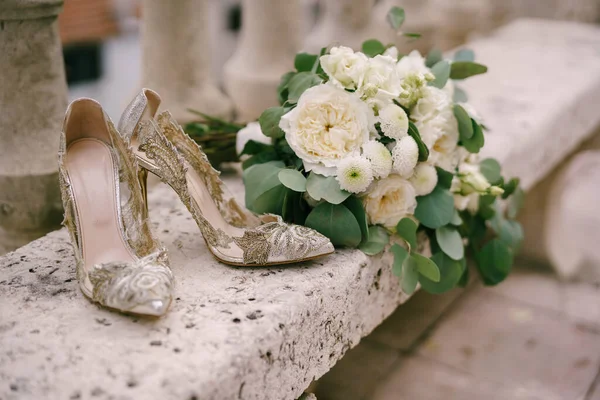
(378, 150)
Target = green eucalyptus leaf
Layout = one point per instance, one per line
(456, 219)
(282, 88)
(270, 202)
(269, 155)
(410, 275)
(413, 132)
(494, 262)
(396, 17)
(304, 61)
(356, 207)
(465, 126)
(400, 256)
(465, 69)
(435, 209)
(253, 147)
(434, 56)
(327, 188)
(444, 178)
(292, 179)
(490, 168)
(450, 273)
(407, 230)
(511, 233)
(426, 267)
(441, 71)
(476, 142)
(460, 96)
(269, 122)
(373, 47)
(464, 55)
(450, 242)
(260, 178)
(412, 35)
(299, 83)
(336, 222)
(510, 187)
(378, 239)
(515, 203)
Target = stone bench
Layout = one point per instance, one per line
(267, 333)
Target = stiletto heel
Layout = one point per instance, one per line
(233, 235)
(119, 263)
(143, 180)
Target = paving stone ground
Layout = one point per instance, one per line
(532, 337)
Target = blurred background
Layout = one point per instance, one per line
(102, 46)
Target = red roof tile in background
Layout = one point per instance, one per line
(84, 21)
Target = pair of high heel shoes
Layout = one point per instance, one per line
(103, 172)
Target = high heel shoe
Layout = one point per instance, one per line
(119, 263)
(233, 235)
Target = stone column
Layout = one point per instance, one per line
(33, 99)
(270, 38)
(176, 58)
(348, 23)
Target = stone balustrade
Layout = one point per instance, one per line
(266, 333)
(33, 98)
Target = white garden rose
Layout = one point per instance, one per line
(391, 51)
(251, 131)
(327, 125)
(344, 67)
(381, 82)
(444, 152)
(389, 200)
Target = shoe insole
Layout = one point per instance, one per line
(92, 174)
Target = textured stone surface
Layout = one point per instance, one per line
(539, 96)
(249, 333)
(528, 349)
(33, 96)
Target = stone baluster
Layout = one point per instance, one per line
(33, 98)
(269, 40)
(346, 22)
(176, 58)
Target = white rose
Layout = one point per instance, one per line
(327, 125)
(389, 200)
(391, 52)
(444, 152)
(412, 63)
(381, 82)
(344, 67)
(251, 131)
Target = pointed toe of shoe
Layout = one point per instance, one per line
(156, 307)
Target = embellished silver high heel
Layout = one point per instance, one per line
(233, 235)
(119, 263)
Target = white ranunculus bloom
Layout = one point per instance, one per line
(405, 156)
(327, 125)
(380, 158)
(381, 82)
(354, 174)
(389, 200)
(411, 63)
(393, 121)
(344, 67)
(433, 103)
(251, 131)
(424, 179)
